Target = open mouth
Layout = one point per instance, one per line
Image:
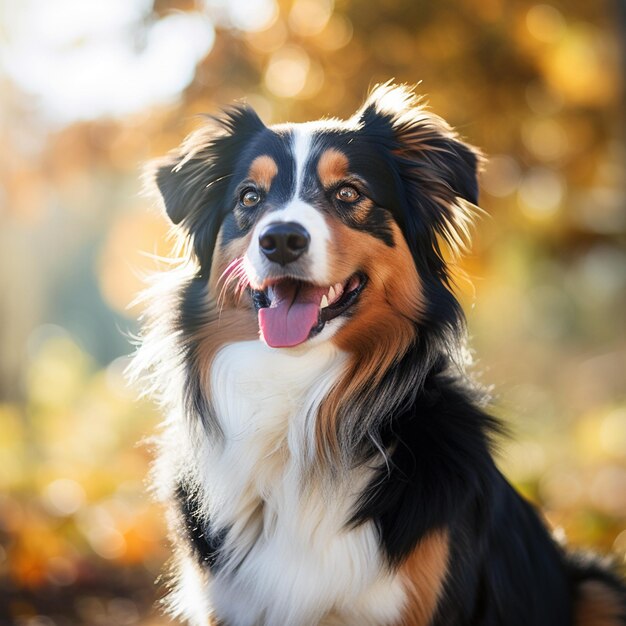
(291, 311)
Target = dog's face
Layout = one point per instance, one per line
(328, 230)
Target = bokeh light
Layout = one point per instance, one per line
(545, 22)
(81, 59)
(541, 193)
(287, 72)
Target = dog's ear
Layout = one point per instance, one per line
(190, 179)
(439, 171)
(182, 175)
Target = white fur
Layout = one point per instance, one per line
(189, 599)
(301, 146)
(301, 566)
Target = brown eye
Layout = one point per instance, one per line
(250, 197)
(347, 193)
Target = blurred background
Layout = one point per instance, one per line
(89, 90)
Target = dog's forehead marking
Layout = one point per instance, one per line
(302, 139)
(332, 167)
(263, 170)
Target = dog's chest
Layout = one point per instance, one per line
(266, 403)
(290, 554)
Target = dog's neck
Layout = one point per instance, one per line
(266, 403)
(263, 395)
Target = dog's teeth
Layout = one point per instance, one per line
(338, 289)
(331, 294)
(324, 302)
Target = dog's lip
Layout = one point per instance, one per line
(350, 289)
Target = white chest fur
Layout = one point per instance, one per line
(291, 560)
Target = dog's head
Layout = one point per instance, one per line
(330, 229)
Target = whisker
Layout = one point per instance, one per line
(234, 273)
(222, 295)
(233, 266)
(243, 283)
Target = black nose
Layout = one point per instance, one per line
(284, 242)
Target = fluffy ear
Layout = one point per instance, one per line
(191, 177)
(193, 180)
(181, 177)
(439, 171)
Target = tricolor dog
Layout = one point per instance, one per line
(325, 458)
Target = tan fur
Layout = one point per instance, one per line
(382, 327)
(360, 210)
(424, 573)
(230, 315)
(332, 167)
(262, 171)
(598, 605)
(226, 326)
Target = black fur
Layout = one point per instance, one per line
(193, 313)
(203, 540)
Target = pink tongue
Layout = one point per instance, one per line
(293, 313)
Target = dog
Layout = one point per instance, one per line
(325, 457)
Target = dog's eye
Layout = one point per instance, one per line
(250, 197)
(347, 193)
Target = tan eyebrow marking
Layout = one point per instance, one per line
(332, 167)
(263, 170)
